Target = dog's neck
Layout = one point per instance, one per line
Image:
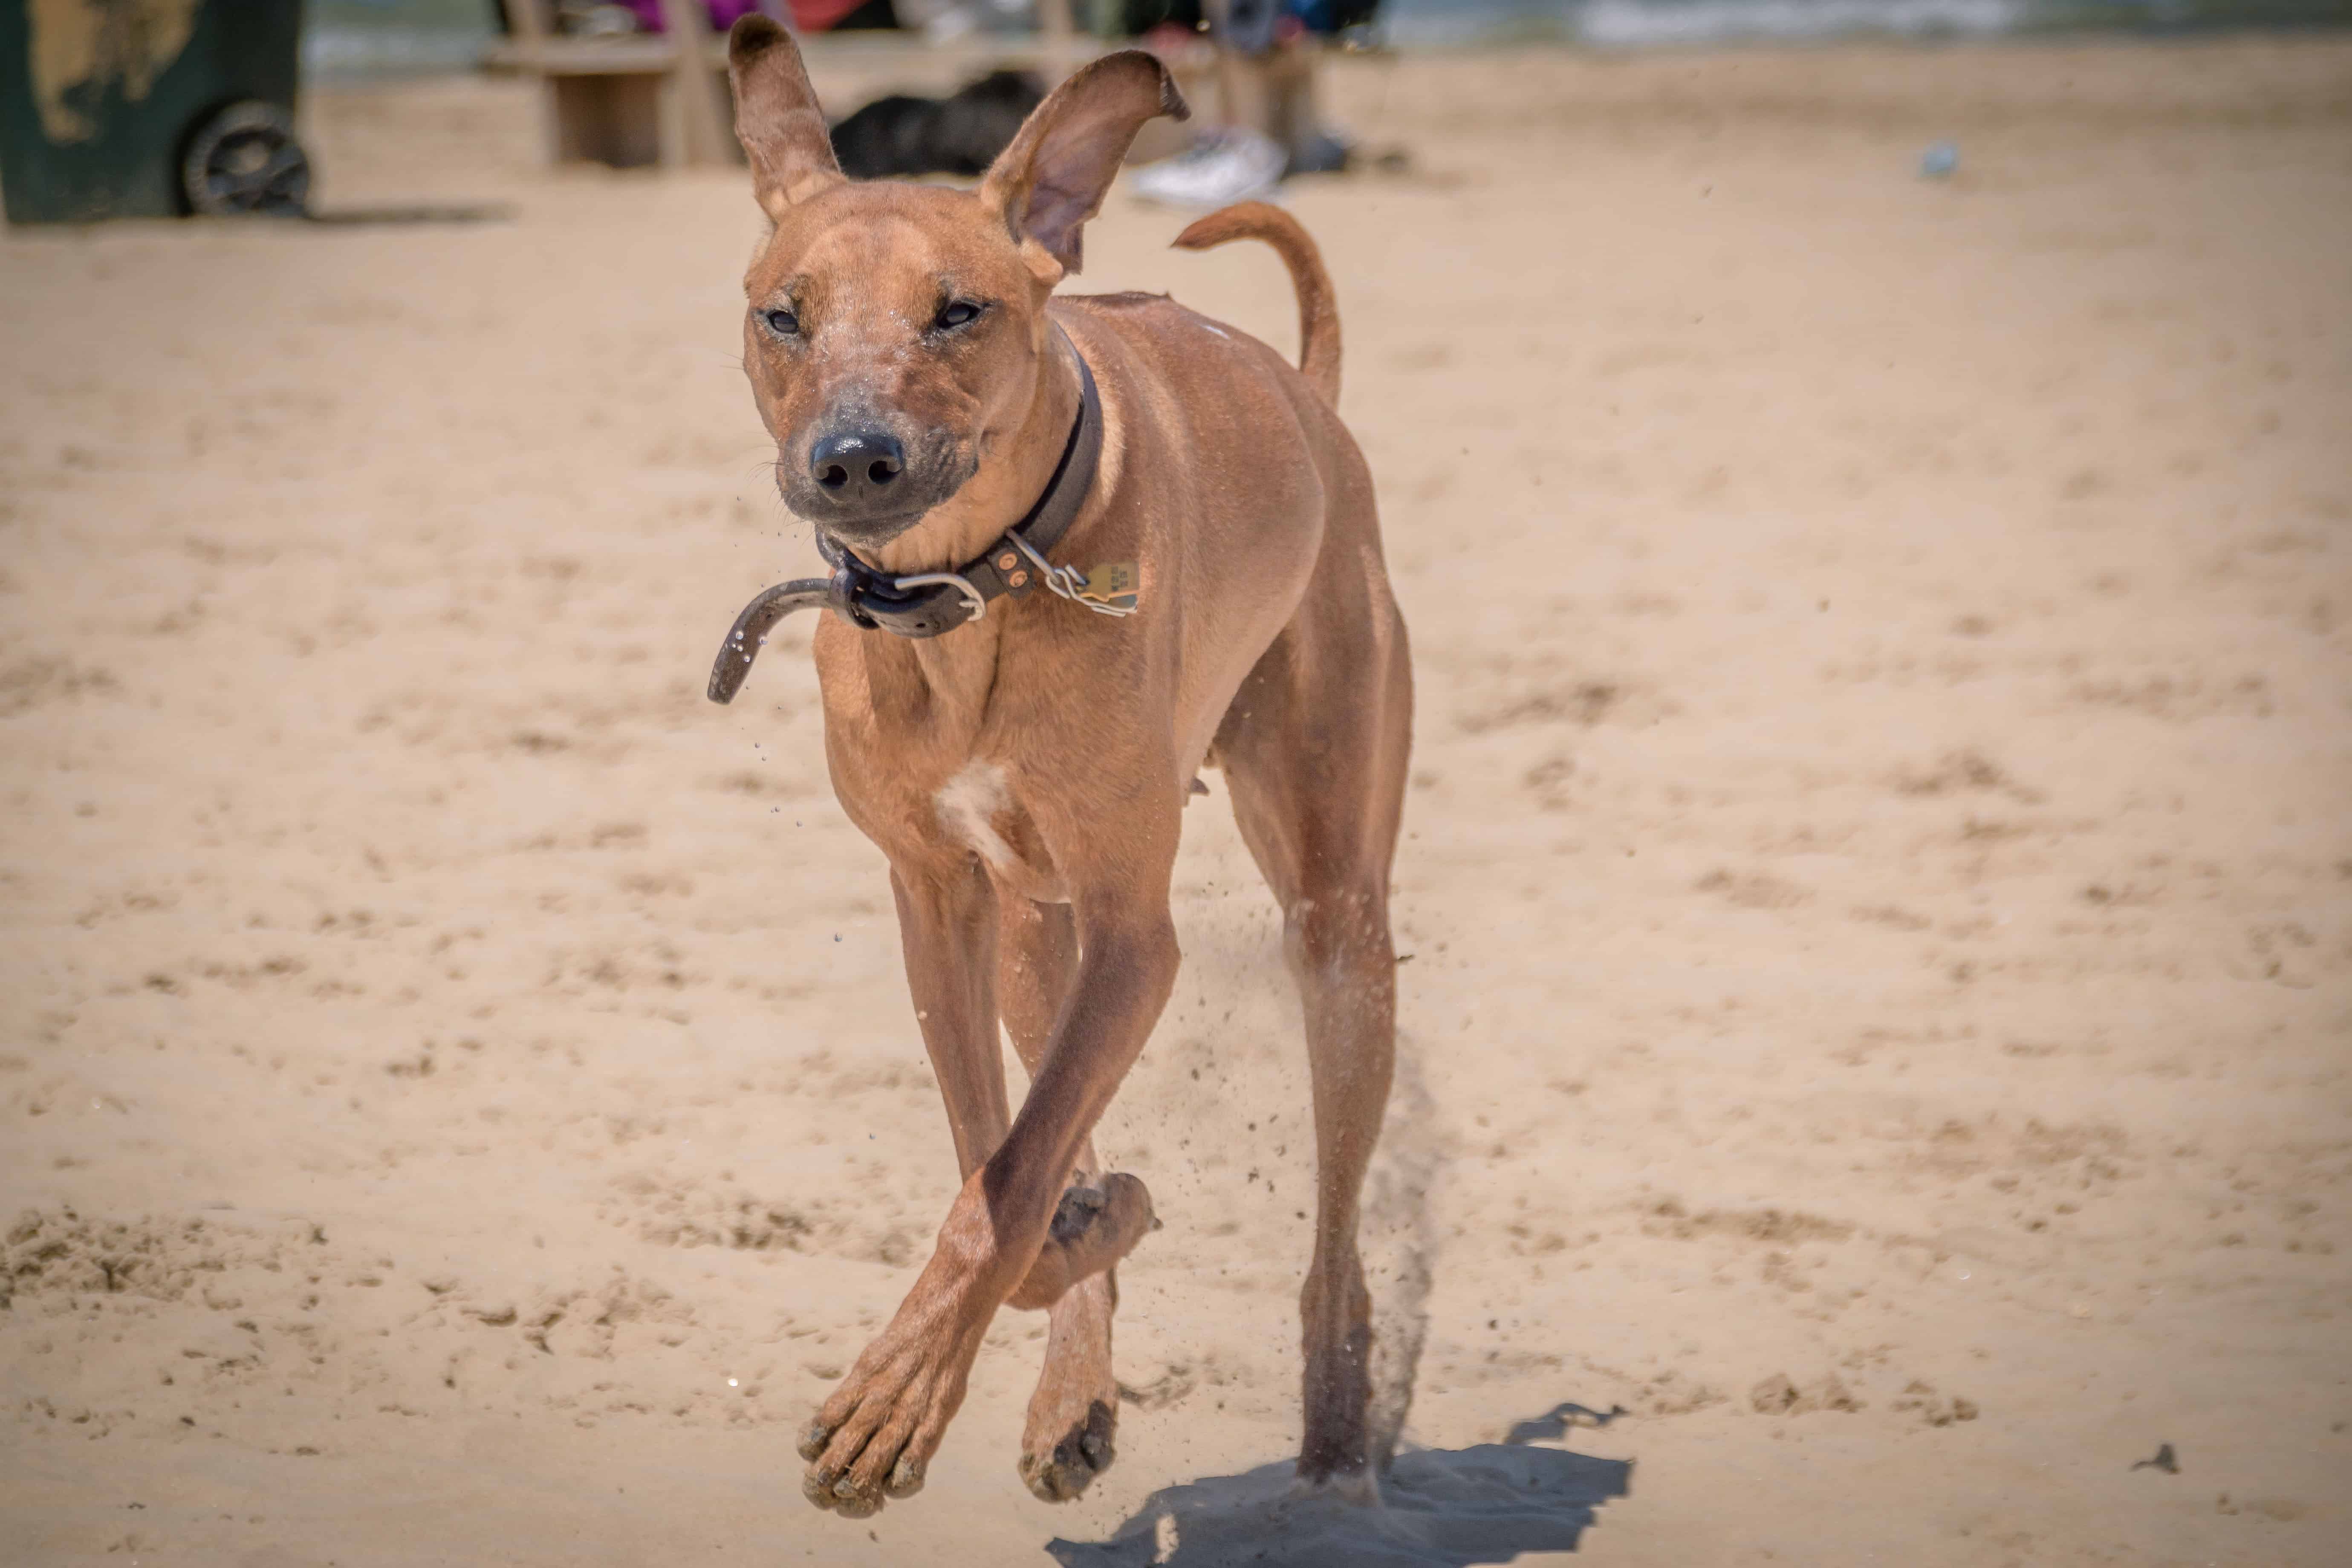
(1009, 481)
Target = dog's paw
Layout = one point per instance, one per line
(1071, 1465)
(876, 1436)
(1093, 1227)
(1066, 1441)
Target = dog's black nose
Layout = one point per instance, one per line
(856, 464)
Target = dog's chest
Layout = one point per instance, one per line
(976, 808)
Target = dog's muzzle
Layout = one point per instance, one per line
(927, 604)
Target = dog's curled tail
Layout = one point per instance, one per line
(1318, 313)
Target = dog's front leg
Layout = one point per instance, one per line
(1009, 1234)
(948, 933)
(1067, 1437)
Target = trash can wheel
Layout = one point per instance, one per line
(244, 159)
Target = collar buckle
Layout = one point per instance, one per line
(972, 600)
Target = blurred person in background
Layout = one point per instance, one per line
(1267, 124)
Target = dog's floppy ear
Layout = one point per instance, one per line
(777, 118)
(1052, 178)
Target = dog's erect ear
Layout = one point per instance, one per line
(1052, 178)
(777, 118)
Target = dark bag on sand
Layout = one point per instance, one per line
(961, 134)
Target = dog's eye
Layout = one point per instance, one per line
(962, 314)
(783, 323)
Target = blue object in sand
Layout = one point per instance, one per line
(1938, 160)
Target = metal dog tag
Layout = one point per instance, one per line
(1113, 586)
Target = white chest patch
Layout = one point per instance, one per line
(969, 804)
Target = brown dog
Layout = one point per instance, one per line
(1026, 771)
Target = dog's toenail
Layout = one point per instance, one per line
(814, 1438)
(906, 1479)
(814, 1488)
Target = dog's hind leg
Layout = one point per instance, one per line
(1066, 1441)
(1314, 746)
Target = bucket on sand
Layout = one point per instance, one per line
(149, 109)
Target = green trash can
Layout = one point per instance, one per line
(149, 109)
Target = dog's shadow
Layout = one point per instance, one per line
(1438, 1509)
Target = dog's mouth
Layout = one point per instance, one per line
(866, 532)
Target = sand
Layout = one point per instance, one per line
(1878, 878)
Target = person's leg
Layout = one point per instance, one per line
(1234, 158)
(1265, 82)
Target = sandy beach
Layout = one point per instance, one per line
(1877, 876)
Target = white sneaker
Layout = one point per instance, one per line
(1223, 167)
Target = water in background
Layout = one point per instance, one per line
(347, 39)
(366, 37)
(1637, 24)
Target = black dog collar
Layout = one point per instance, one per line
(926, 603)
